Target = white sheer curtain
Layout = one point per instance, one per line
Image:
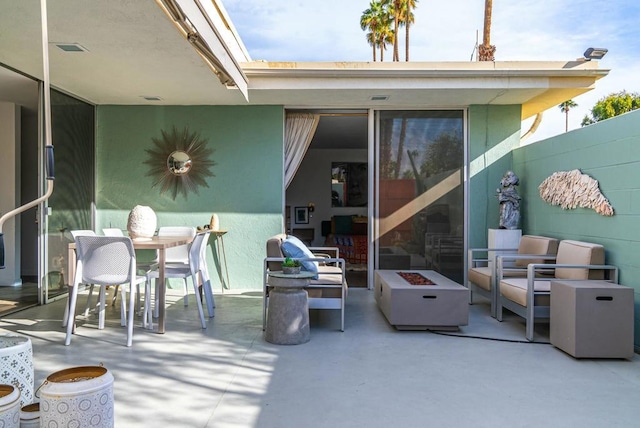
(298, 133)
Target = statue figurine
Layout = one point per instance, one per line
(509, 201)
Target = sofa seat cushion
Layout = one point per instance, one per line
(532, 244)
(579, 253)
(481, 276)
(515, 289)
(330, 276)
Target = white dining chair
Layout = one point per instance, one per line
(112, 231)
(75, 234)
(195, 269)
(141, 267)
(178, 256)
(104, 261)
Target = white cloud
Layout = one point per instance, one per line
(329, 30)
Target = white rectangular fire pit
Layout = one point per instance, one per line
(444, 305)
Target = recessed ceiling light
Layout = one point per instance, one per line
(151, 97)
(379, 97)
(71, 47)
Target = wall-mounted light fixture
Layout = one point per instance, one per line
(595, 53)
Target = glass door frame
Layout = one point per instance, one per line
(374, 177)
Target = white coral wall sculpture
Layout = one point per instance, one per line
(572, 189)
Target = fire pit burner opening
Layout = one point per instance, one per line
(414, 278)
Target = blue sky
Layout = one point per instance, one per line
(329, 30)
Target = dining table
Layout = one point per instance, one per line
(158, 243)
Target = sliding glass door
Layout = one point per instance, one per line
(420, 191)
(73, 123)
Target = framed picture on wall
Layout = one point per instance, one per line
(302, 215)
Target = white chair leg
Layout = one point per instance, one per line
(123, 307)
(131, 311)
(208, 294)
(138, 307)
(65, 317)
(147, 318)
(101, 311)
(208, 298)
(155, 296)
(115, 295)
(198, 301)
(72, 314)
(86, 310)
(186, 292)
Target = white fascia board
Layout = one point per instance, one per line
(468, 70)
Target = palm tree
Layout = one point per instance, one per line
(408, 19)
(486, 50)
(565, 107)
(386, 37)
(374, 19)
(396, 11)
(369, 20)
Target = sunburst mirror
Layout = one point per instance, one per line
(179, 161)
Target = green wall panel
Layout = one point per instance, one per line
(493, 133)
(609, 152)
(246, 191)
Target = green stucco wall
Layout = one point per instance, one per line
(494, 131)
(246, 192)
(608, 151)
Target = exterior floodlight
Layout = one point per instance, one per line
(594, 53)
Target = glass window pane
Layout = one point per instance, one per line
(420, 191)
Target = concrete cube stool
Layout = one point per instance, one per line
(592, 319)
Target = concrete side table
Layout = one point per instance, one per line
(288, 313)
(592, 319)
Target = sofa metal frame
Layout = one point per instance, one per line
(540, 272)
(476, 262)
(323, 258)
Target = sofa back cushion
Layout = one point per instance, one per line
(579, 253)
(273, 250)
(531, 244)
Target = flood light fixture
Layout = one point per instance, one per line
(595, 53)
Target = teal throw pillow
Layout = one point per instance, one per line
(295, 248)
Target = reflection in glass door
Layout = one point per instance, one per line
(73, 123)
(420, 191)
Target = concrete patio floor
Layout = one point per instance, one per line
(369, 376)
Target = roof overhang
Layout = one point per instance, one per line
(537, 86)
(136, 56)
